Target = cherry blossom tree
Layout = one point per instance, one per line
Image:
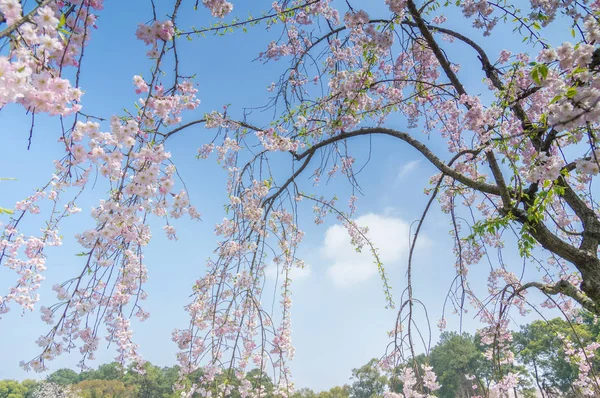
(518, 172)
(52, 390)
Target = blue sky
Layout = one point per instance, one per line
(339, 315)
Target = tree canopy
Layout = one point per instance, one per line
(511, 135)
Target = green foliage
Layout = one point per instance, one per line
(456, 356)
(336, 392)
(304, 393)
(15, 389)
(368, 381)
(104, 389)
(260, 379)
(540, 347)
(6, 211)
(539, 73)
(63, 377)
(12, 389)
(109, 371)
(154, 382)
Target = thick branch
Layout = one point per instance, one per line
(585, 258)
(563, 287)
(573, 200)
(591, 225)
(444, 63)
(497, 173)
(437, 162)
(585, 261)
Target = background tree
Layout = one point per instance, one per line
(540, 346)
(336, 392)
(107, 371)
(51, 390)
(31, 386)
(368, 381)
(260, 380)
(149, 383)
(304, 393)
(459, 364)
(12, 389)
(64, 377)
(103, 388)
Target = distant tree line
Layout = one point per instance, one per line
(458, 360)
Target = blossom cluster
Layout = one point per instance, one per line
(155, 33)
(218, 8)
(141, 180)
(31, 72)
(582, 357)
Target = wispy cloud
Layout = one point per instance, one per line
(406, 169)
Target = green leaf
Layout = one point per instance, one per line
(539, 73)
(555, 99)
(543, 68)
(535, 76)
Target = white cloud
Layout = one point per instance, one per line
(296, 274)
(407, 168)
(390, 236)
